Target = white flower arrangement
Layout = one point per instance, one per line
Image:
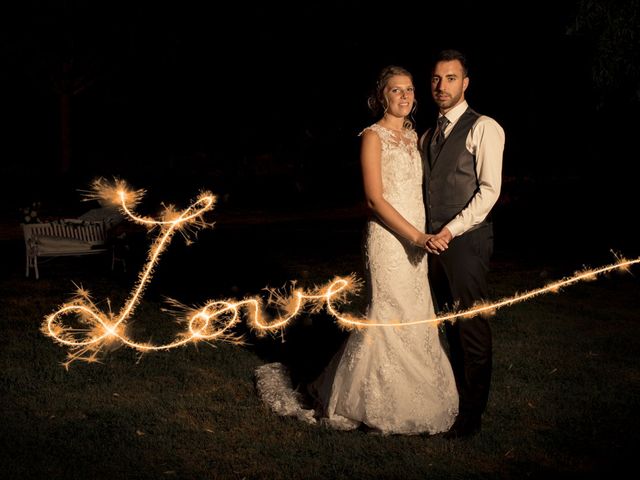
(30, 213)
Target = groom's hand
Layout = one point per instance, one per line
(439, 242)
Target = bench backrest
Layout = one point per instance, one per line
(91, 232)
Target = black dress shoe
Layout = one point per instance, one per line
(463, 427)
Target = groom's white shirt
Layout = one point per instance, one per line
(486, 141)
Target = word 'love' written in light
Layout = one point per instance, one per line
(216, 319)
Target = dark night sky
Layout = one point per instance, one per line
(273, 96)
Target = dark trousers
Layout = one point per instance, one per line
(458, 279)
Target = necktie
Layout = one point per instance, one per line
(439, 135)
(438, 138)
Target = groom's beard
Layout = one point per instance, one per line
(445, 100)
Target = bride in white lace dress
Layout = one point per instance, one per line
(389, 379)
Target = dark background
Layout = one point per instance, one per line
(262, 104)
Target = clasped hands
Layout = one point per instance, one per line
(436, 244)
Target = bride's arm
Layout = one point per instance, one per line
(370, 155)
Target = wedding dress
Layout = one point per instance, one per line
(391, 379)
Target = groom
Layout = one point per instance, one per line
(463, 163)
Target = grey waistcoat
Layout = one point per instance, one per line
(450, 176)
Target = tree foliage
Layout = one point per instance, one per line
(613, 29)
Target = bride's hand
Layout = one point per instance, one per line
(436, 244)
(422, 239)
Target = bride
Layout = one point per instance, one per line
(386, 379)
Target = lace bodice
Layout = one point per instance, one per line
(402, 171)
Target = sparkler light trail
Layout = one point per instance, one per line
(216, 319)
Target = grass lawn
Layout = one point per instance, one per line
(564, 399)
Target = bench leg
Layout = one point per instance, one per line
(32, 262)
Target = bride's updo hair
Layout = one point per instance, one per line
(377, 102)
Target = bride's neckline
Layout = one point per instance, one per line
(402, 130)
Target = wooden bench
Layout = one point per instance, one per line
(71, 237)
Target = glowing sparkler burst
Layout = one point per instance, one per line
(216, 319)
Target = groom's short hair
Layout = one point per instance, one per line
(451, 54)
